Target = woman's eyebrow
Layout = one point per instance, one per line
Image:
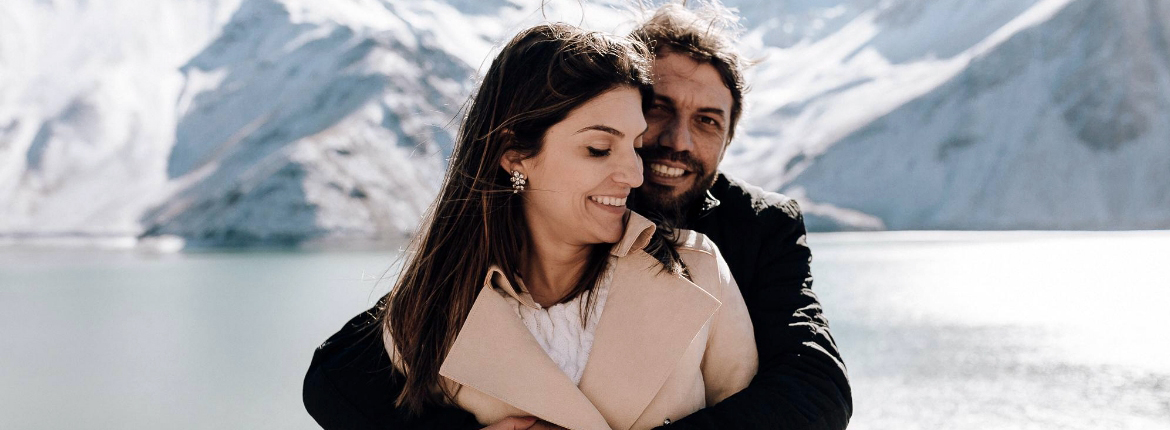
(604, 129)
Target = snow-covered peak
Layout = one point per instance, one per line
(84, 91)
(1048, 122)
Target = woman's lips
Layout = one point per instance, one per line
(611, 204)
(609, 200)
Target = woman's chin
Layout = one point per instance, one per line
(602, 234)
(613, 234)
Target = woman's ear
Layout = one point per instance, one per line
(511, 161)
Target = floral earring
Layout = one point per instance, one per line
(518, 181)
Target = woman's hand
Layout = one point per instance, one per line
(523, 423)
(513, 423)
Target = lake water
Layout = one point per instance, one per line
(939, 330)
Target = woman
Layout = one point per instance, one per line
(533, 291)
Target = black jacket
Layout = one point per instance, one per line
(801, 384)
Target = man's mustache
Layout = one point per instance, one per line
(658, 152)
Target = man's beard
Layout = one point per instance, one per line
(658, 199)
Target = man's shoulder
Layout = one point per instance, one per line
(740, 199)
(703, 260)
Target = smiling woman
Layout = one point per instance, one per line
(533, 291)
(584, 172)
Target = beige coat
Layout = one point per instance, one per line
(664, 346)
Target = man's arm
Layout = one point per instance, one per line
(802, 381)
(351, 385)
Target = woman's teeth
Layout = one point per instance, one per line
(609, 201)
(667, 171)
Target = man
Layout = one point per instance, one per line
(802, 382)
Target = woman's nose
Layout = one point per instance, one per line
(629, 169)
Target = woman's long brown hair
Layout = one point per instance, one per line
(537, 79)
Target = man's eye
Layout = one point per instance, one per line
(594, 152)
(709, 121)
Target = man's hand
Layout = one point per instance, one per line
(523, 423)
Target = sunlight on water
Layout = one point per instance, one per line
(940, 330)
(1001, 330)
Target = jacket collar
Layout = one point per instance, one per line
(648, 321)
(636, 235)
(700, 209)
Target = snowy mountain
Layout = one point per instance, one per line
(1041, 114)
(292, 121)
(295, 126)
(86, 101)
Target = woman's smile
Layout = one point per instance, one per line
(610, 204)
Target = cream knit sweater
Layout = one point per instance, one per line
(558, 328)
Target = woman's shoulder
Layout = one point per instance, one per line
(703, 261)
(693, 241)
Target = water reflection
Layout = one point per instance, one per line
(120, 340)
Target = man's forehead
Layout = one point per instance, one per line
(681, 79)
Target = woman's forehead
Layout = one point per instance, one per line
(617, 112)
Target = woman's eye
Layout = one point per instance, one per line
(594, 152)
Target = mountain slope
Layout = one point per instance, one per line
(1056, 127)
(308, 126)
(85, 96)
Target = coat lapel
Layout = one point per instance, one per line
(649, 320)
(495, 354)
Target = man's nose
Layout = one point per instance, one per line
(677, 136)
